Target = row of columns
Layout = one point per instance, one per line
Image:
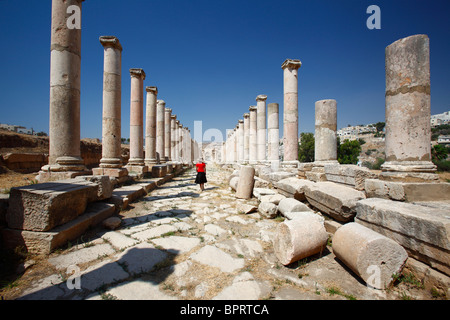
(408, 130)
(166, 140)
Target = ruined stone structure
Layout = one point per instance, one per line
(150, 127)
(136, 161)
(408, 129)
(290, 117)
(261, 127)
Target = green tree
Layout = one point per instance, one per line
(348, 151)
(306, 147)
(439, 152)
(380, 126)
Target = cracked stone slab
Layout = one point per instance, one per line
(139, 290)
(154, 232)
(141, 258)
(104, 273)
(119, 240)
(214, 257)
(81, 256)
(176, 244)
(244, 287)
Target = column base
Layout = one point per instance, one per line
(159, 171)
(409, 171)
(290, 164)
(112, 172)
(139, 170)
(47, 175)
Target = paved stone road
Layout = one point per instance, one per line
(180, 243)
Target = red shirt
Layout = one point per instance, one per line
(200, 167)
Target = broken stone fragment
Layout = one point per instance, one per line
(300, 238)
(372, 256)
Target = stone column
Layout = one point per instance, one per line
(246, 136)
(241, 141)
(408, 129)
(273, 132)
(64, 133)
(136, 161)
(173, 122)
(261, 127)
(180, 142)
(167, 135)
(160, 131)
(325, 148)
(111, 161)
(252, 156)
(290, 119)
(150, 127)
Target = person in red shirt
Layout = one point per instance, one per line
(201, 174)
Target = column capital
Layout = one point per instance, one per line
(261, 97)
(152, 89)
(291, 64)
(240, 121)
(252, 108)
(173, 116)
(161, 102)
(168, 110)
(137, 72)
(246, 115)
(110, 41)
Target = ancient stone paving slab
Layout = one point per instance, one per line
(179, 243)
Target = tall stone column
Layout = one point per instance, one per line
(136, 161)
(150, 127)
(325, 148)
(246, 136)
(173, 122)
(160, 131)
(408, 129)
(290, 118)
(273, 132)
(261, 127)
(252, 156)
(241, 141)
(167, 135)
(180, 142)
(111, 161)
(64, 133)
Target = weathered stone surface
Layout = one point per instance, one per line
(176, 244)
(292, 205)
(246, 182)
(333, 199)
(268, 209)
(349, 174)
(105, 187)
(119, 240)
(44, 242)
(277, 176)
(234, 182)
(81, 256)
(275, 199)
(423, 231)
(293, 187)
(138, 290)
(41, 207)
(112, 223)
(245, 208)
(300, 238)
(407, 191)
(244, 287)
(141, 258)
(372, 256)
(259, 192)
(215, 257)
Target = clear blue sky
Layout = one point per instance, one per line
(210, 59)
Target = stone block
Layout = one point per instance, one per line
(407, 191)
(422, 230)
(334, 199)
(349, 174)
(372, 256)
(45, 242)
(268, 209)
(275, 198)
(300, 238)
(159, 171)
(292, 205)
(44, 206)
(293, 187)
(277, 176)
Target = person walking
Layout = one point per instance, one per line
(201, 174)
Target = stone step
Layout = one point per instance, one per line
(422, 230)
